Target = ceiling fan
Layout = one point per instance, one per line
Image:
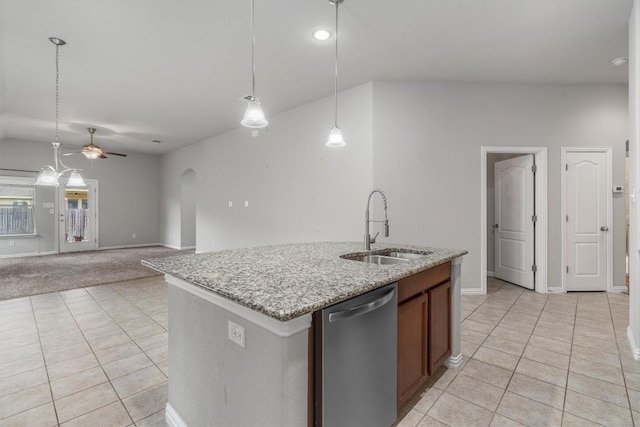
(92, 151)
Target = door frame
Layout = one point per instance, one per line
(540, 156)
(563, 195)
(59, 208)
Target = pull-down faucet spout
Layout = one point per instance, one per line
(367, 238)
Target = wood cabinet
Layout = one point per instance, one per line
(424, 327)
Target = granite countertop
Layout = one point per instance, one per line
(288, 281)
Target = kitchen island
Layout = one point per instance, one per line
(264, 299)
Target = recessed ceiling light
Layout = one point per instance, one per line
(620, 61)
(321, 35)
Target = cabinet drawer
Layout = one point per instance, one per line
(420, 282)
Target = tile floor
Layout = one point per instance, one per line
(98, 356)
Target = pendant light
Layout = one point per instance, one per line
(253, 115)
(49, 175)
(335, 136)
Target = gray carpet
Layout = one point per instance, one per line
(27, 276)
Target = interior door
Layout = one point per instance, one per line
(77, 218)
(587, 224)
(514, 221)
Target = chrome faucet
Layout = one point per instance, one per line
(367, 238)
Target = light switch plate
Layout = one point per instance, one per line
(236, 333)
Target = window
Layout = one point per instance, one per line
(16, 209)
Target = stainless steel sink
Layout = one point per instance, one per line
(388, 257)
(379, 259)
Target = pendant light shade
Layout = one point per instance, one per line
(253, 115)
(335, 135)
(75, 180)
(335, 138)
(47, 177)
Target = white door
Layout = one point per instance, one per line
(77, 219)
(514, 221)
(587, 224)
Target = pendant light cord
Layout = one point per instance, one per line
(253, 61)
(56, 147)
(335, 88)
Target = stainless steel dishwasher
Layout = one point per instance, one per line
(359, 360)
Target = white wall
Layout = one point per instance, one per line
(297, 189)
(634, 179)
(129, 197)
(426, 155)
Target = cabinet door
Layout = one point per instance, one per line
(439, 325)
(412, 345)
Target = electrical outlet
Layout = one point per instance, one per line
(230, 204)
(12, 243)
(236, 333)
(133, 236)
(246, 203)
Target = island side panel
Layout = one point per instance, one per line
(213, 381)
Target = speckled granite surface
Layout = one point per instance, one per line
(287, 281)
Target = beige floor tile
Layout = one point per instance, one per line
(595, 343)
(596, 370)
(78, 404)
(164, 367)
(137, 381)
(72, 366)
(442, 381)
(127, 365)
(550, 344)
(497, 358)
(570, 420)
(491, 374)
(411, 419)
(41, 416)
(596, 356)
(101, 332)
(23, 400)
(636, 417)
(546, 357)
(558, 333)
(598, 389)
(528, 412)
(595, 333)
(113, 415)
(147, 402)
(634, 398)
(109, 341)
(472, 336)
(500, 421)
(505, 345)
(596, 410)
(474, 391)
(427, 400)
(155, 420)
(153, 341)
(118, 352)
(49, 345)
(476, 326)
(21, 365)
(427, 421)
(557, 317)
(516, 325)
(70, 352)
(542, 372)
(145, 331)
(454, 411)
(78, 382)
(632, 379)
(537, 390)
(24, 380)
(158, 354)
(510, 334)
(468, 349)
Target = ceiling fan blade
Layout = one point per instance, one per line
(115, 154)
(70, 154)
(102, 156)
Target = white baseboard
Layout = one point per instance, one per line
(635, 348)
(618, 289)
(169, 246)
(474, 291)
(172, 418)
(491, 274)
(143, 245)
(187, 247)
(29, 254)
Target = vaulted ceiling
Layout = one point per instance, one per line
(140, 70)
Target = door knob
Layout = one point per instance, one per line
(495, 225)
(604, 228)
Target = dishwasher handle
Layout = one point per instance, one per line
(361, 309)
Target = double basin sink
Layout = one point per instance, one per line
(392, 256)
